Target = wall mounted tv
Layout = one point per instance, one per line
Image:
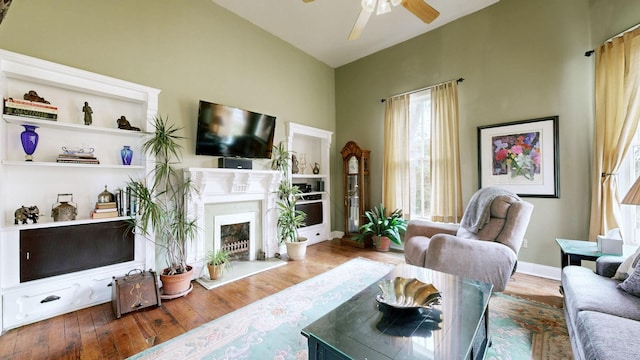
(231, 132)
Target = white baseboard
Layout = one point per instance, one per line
(337, 234)
(549, 272)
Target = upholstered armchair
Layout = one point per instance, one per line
(489, 254)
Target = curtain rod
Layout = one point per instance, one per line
(590, 52)
(424, 88)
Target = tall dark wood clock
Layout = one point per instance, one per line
(355, 162)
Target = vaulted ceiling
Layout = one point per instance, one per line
(321, 27)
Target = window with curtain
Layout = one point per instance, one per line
(421, 165)
(420, 154)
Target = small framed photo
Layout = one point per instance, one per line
(520, 156)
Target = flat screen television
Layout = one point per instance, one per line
(231, 132)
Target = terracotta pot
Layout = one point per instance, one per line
(297, 250)
(382, 243)
(176, 284)
(215, 271)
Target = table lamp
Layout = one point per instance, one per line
(633, 196)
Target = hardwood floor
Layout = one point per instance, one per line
(94, 333)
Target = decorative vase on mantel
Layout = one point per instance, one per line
(126, 154)
(29, 139)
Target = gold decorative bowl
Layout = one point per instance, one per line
(403, 293)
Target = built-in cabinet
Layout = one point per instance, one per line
(311, 146)
(355, 170)
(64, 286)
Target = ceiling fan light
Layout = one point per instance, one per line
(368, 5)
(383, 7)
(395, 2)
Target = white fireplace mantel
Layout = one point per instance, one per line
(216, 186)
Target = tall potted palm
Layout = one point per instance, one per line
(162, 207)
(382, 227)
(289, 218)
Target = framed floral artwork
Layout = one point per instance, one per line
(520, 156)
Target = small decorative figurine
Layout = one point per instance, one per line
(294, 165)
(32, 95)
(24, 213)
(124, 124)
(316, 168)
(86, 109)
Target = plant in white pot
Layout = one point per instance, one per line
(383, 228)
(162, 208)
(289, 218)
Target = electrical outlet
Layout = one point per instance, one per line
(525, 243)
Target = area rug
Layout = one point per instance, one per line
(270, 328)
(523, 329)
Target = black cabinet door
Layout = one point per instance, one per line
(60, 250)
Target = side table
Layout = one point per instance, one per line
(572, 252)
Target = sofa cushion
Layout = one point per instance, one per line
(632, 283)
(627, 266)
(601, 335)
(585, 290)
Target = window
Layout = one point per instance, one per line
(420, 154)
(629, 172)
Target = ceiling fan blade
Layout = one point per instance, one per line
(421, 9)
(361, 22)
(307, 1)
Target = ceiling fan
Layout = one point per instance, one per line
(419, 8)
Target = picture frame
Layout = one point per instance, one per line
(520, 156)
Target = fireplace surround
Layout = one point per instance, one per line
(232, 187)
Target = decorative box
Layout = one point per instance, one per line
(609, 246)
(134, 291)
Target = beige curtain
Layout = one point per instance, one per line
(446, 183)
(617, 112)
(395, 170)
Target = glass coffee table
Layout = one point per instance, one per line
(361, 328)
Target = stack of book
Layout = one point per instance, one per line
(105, 210)
(78, 158)
(30, 109)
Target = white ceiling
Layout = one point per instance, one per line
(320, 28)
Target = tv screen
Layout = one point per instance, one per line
(231, 132)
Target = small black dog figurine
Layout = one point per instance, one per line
(124, 124)
(24, 213)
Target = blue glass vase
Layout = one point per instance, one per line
(29, 139)
(126, 154)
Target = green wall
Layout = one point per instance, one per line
(520, 60)
(191, 50)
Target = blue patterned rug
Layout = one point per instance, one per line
(270, 328)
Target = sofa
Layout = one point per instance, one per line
(603, 320)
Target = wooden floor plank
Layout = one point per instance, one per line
(101, 336)
(90, 348)
(8, 344)
(106, 340)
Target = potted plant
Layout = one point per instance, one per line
(217, 262)
(289, 218)
(162, 209)
(383, 228)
